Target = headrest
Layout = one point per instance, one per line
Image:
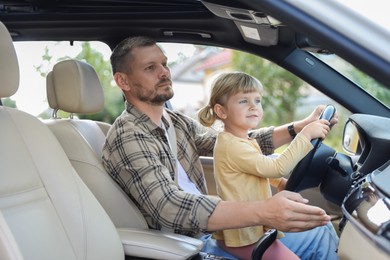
(9, 67)
(74, 87)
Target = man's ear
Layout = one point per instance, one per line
(219, 110)
(122, 81)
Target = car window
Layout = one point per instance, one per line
(287, 98)
(369, 84)
(36, 60)
(193, 68)
(372, 9)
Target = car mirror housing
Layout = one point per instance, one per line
(351, 138)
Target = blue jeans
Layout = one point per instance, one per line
(210, 246)
(319, 243)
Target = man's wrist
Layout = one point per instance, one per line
(291, 130)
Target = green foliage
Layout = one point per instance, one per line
(7, 102)
(284, 95)
(283, 91)
(372, 86)
(46, 58)
(113, 98)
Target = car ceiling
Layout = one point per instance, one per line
(185, 21)
(110, 21)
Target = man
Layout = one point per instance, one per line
(171, 193)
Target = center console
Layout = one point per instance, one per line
(367, 215)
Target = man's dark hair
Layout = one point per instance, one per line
(122, 52)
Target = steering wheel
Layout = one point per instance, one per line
(294, 182)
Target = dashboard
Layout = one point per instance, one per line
(366, 204)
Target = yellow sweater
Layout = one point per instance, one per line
(242, 173)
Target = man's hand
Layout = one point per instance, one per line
(281, 135)
(287, 211)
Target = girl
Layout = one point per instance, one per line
(242, 172)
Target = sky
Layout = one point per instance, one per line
(374, 9)
(31, 96)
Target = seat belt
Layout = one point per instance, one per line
(188, 185)
(171, 134)
(172, 142)
(173, 145)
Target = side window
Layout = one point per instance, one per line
(36, 60)
(193, 69)
(286, 98)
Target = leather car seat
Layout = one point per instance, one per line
(47, 212)
(74, 87)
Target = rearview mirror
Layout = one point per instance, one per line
(351, 138)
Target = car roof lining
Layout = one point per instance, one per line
(138, 16)
(175, 23)
(86, 6)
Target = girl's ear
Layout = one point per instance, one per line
(121, 80)
(219, 110)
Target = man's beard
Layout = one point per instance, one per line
(149, 97)
(161, 99)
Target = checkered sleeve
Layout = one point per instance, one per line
(263, 137)
(141, 164)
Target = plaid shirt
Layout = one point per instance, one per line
(138, 157)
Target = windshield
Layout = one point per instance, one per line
(369, 84)
(375, 11)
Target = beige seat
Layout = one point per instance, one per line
(46, 210)
(73, 86)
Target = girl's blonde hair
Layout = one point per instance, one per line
(224, 86)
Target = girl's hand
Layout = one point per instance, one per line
(298, 125)
(316, 129)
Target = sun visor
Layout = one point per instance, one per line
(255, 27)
